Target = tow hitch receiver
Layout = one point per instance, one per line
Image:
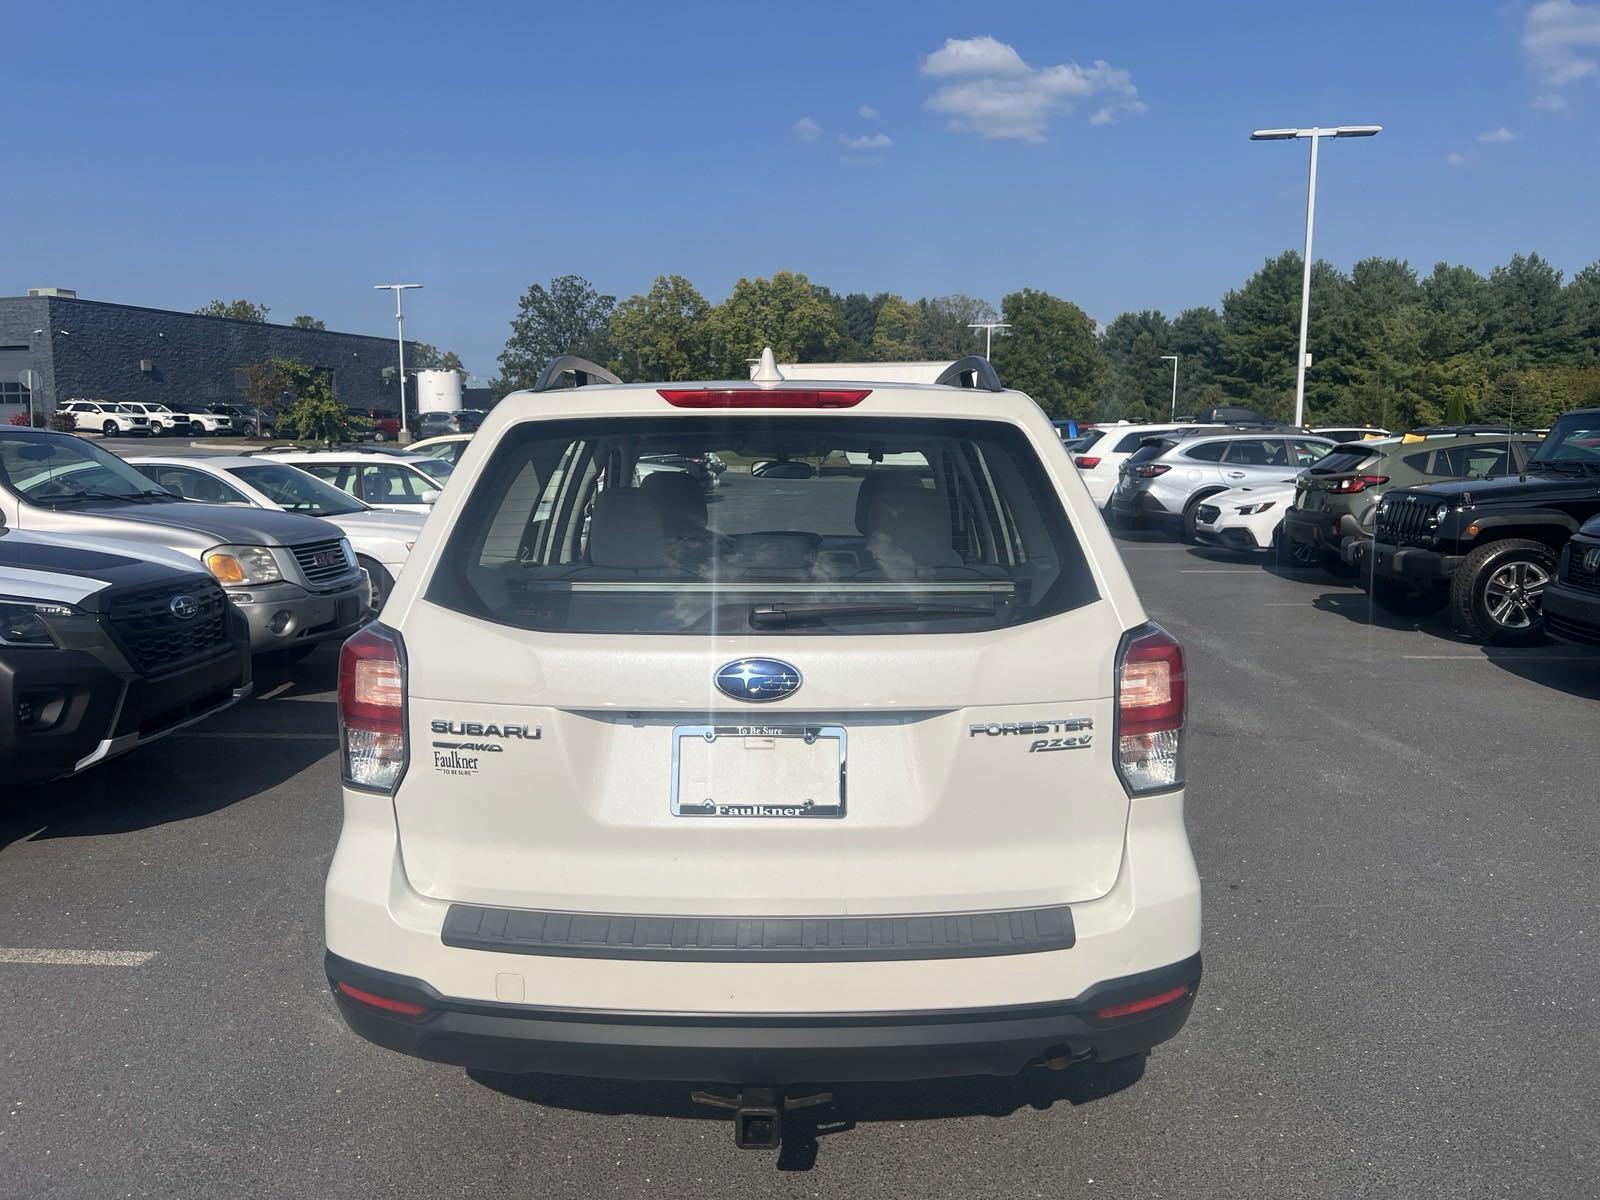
(758, 1113)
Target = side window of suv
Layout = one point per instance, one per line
(1206, 451)
(1257, 452)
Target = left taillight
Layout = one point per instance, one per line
(1151, 696)
(372, 705)
(1087, 462)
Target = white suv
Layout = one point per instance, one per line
(1101, 452)
(100, 417)
(595, 809)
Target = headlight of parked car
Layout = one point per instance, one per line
(231, 565)
(22, 624)
(1439, 514)
(1260, 506)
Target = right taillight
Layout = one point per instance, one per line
(1354, 483)
(1150, 708)
(1087, 462)
(1151, 470)
(372, 704)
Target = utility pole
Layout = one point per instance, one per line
(1315, 135)
(400, 335)
(1173, 415)
(988, 328)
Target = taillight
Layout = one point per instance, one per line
(764, 397)
(1087, 462)
(1150, 707)
(1113, 1011)
(1151, 470)
(372, 703)
(401, 1008)
(1354, 483)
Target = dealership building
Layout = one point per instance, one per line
(90, 350)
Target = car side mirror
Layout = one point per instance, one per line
(430, 497)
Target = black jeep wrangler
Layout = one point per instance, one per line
(1488, 548)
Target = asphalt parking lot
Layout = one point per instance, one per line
(1398, 836)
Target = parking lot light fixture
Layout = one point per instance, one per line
(400, 332)
(1173, 358)
(1315, 136)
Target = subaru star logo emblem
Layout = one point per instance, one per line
(758, 679)
(185, 608)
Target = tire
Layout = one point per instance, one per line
(1295, 556)
(109, 429)
(1402, 601)
(1191, 517)
(1497, 594)
(380, 582)
(157, 429)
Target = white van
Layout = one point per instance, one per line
(829, 773)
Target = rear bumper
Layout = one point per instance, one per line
(1571, 614)
(1327, 531)
(765, 1048)
(1138, 506)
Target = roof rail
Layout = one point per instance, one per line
(1465, 429)
(583, 372)
(973, 371)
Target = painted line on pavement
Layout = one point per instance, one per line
(77, 958)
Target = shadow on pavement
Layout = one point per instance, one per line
(853, 1104)
(1355, 605)
(1574, 670)
(249, 749)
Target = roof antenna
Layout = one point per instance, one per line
(767, 369)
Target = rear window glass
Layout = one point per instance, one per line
(1087, 440)
(1130, 442)
(1344, 460)
(1151, 449)
(763, 524)
(1461, 462)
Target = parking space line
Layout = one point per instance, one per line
(77, 958)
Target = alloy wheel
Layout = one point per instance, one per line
(1514, 594)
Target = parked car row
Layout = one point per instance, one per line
(1501, 527)
(134, 593)
(134, 418)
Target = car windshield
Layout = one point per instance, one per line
(816, 525)
(297, 491)
(1574, 439)
(61, 469)
(437, 469)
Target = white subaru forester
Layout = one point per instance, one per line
(864, 764)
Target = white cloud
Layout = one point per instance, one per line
(867, 113)
(807, 130)
(867, 141)
(1562, 41)
(1498, 135)
(1457, 158)
(995, 94)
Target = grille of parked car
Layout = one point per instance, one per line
(1207, 513)
(1405, 519)
(322, 562)
(147, 623)
(1580, 566)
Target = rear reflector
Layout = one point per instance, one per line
(1138, 1006)
(402, 1008)
(764, 397)
(1087, 462)
(372, 701)
(1151, 695)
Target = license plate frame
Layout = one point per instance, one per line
(830, 806)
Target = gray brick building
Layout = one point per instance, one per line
(91, 350)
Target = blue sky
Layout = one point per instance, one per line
(297, 153)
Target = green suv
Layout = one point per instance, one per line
(1336, 500)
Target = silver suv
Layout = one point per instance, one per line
(295, 578)
(1165, 480)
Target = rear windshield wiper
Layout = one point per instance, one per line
(1536, 465)
(778, 616)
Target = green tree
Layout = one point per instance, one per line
(1137, 385)
(897, 335)
(947, 326)
(315, 414)
(783, 312)
(568, 317)
(307, 322)
(237, 310)
(1196, 338)
(663, 334)
(857, 315)
(1050, 352)
(425, 356)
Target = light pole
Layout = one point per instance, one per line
(1315, 134)
(988, 328)
(400, 335)
(1173, 415)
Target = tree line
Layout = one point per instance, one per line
(1389, 347)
